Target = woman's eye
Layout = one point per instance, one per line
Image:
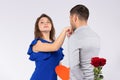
(44, 22)
(41, 22)
(48, 22)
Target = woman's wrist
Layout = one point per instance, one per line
(64, 31)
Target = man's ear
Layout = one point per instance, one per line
(75, 17)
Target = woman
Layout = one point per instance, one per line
(44, 50)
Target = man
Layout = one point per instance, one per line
(84, 44)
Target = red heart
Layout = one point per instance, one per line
(63, 72)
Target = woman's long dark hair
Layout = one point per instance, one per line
(37, 32)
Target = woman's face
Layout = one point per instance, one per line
(44, 24)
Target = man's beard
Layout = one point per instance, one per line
(73, 28)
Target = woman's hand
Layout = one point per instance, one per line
(68, 31)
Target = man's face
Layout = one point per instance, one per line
(72, 23)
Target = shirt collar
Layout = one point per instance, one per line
(81, 28)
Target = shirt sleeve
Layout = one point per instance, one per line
(89, 49)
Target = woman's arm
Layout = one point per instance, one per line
(45, 47)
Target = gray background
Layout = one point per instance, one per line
(17, 18)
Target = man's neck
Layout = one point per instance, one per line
(81, 23)
(81, 26)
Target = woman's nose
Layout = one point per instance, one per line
(45, 23)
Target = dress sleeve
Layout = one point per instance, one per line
(37, 55)
(30, 52)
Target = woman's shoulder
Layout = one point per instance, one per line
(61, 48)
(34, 41)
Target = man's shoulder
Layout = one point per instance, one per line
(87, 32)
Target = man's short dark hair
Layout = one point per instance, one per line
(80, 10)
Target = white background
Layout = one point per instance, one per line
(17, 19)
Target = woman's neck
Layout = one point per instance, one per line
(46, 36)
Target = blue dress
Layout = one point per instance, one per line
(45, 62)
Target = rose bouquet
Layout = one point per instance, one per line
(98, 63)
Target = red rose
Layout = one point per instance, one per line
(102, 61)
(98, 63)
(95, 61)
